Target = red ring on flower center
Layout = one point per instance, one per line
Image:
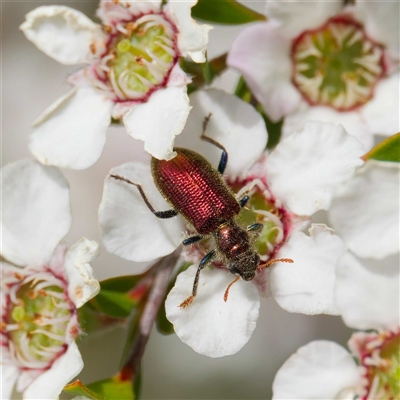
(337, 65)
(139, 57)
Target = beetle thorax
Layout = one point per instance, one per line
(234, 243)
(231, 239)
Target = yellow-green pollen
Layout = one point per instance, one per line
(272, 232)
(39, 320)
(141, 57)
(386, 375)
(337, 65)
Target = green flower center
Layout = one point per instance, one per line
(384, 371)
(141, 57)
(37, 320)
(337, 65)
(261, 209)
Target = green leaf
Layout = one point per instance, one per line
(79, 389)
(116, 387)
(227, 12)
(118, 296)
(214, 67)
(274, 128)
(207, 73)
(388, 150)
(204, 73)
(121, 283)
(242, 90)
(114, 304)
(92, 320)
(195, 71)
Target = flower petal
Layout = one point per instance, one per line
(112, 12)
(36, 212)
(307, 286)
(353, 122)
(380, 23)
(128, 228)
(262, 55)
(51, 382)
(305, 169)
(318, 370)
(178, 77)
(296, 16)
(192, 37)
(57, 261)
(209, 325)
(365, 212)
(138, 7)
(9, 375)
(367, 294)
(82, 285)
(72, 330)
(63, 33)
(26, 377)
(71, 133)
(381, 113)
(159, 120)
(233, 123)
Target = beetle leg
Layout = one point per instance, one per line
(206, 259)
(224, 156)
(243, 201)
(205, 123)
(192, 239)
(158, 214)
(255, 227)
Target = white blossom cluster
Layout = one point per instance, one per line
(331, 72)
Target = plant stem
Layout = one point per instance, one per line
(142, 325)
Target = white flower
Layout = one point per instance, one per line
(133, 74)
(318, 370)
(286, 186)
(42, 282)
(322, 61)
(367, 292)
(365, 212)
(368, 298)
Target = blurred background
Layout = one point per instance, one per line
(30, 82)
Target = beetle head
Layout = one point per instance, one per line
(245, 266)
(248, 275)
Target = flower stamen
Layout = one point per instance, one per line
(379, 355)
(337, 65)
(36, 318)
(265, 209)
(140, 56)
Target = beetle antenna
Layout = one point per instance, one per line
(226, 294)
(275, 260)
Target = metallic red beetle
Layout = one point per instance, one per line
(195, 189)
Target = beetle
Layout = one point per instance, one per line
(196, 190)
